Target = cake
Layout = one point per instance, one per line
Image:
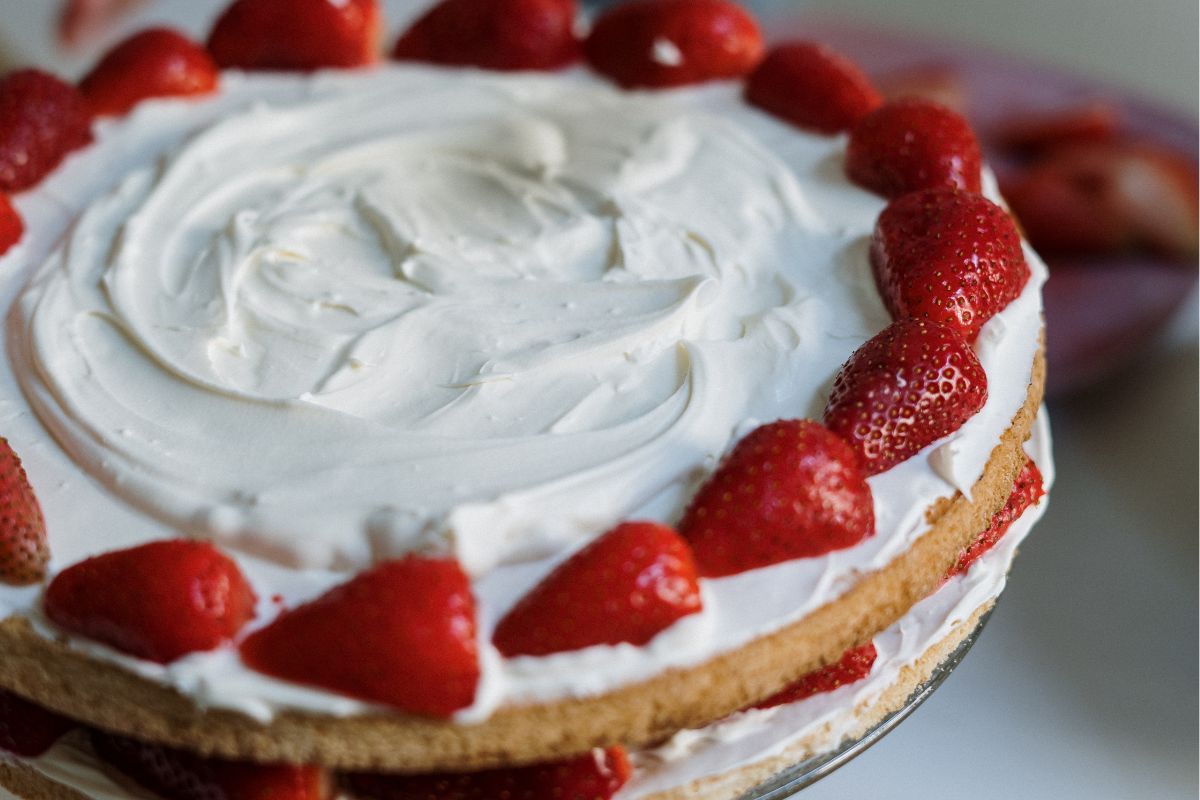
(493, 333)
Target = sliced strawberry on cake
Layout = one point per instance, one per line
(494, 34)
(812, 86)
(912, 144)
(908, 386)
(158, 62)
(12, 227)
(627, 586)
(950, 256)
(661, 43)
(1028, 489)
(592, 776)
(27, 729)
(854, 665)
(296, 34)
(158, 601)
(789, 489)
(401, 634)
(42, 119)
(24, 551)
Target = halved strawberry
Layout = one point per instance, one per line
(180, 775)
(789, 489)
(626, 586)
(158, 62)
(811, 85)
(854, 665)
(27, 729)
(11, 225)
(402, 634)
(1027, 490)
(913, 144)
(1033, 131)
(42, 119)
(658, 43)
(908, 386)
(947, 255)
(592, 776)
(296, 34)
(158, 601)
(24, 551)
(494, 34)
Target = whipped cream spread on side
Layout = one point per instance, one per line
(328, 320)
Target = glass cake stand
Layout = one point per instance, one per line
(790, 781)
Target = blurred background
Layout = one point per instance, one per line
(1085, 683)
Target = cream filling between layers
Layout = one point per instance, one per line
(326, 321)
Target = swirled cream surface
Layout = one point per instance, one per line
(328, 320)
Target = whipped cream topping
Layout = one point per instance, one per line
(328, 320)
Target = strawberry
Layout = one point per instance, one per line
(658, 43)
(11, 225)
(593, 776)
(299, 35)
(789, 489)
(24, 551)
(494, 34)
(854, 665)
(626, 586)
(1034, 131)
(913, 144)
(402, 634)
(812, 86)
(42, 119)
(157, 601)
(1028, 489)
(27, 729)
(946, 255)
(180, 775)
(154, 63)
(908, 386)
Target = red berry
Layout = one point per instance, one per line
(24, 551)
(157, 601)
(949, 256)
(913, 144)
(402, 634)
(790, 489)
(854, 665)
(812, 86)
(908, 386)
(1034, 131)
(180, 775)
(494, 34)
(11, 225)
(27, 729)
(299, 35)
(42, 119)
(660, 43)
(626, 586)
(154, 63)
(1028, 489)
(593, 776)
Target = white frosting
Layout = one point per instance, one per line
(267, 337)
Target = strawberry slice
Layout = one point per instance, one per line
(592, 776)
(854, 665)
(24, 551)
(946, 255)
(812, 86)
(11, 225)
(158, 62)
(402, 634)
(180, 775)
(176, 597)
(789, 489)
(494, 34)
(913, 144)
(301, 35)
(1028, 489)
(27, 729)
(42, 119)
(659, 43)
(908, 386)
(1038, 131)
(627, 586)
